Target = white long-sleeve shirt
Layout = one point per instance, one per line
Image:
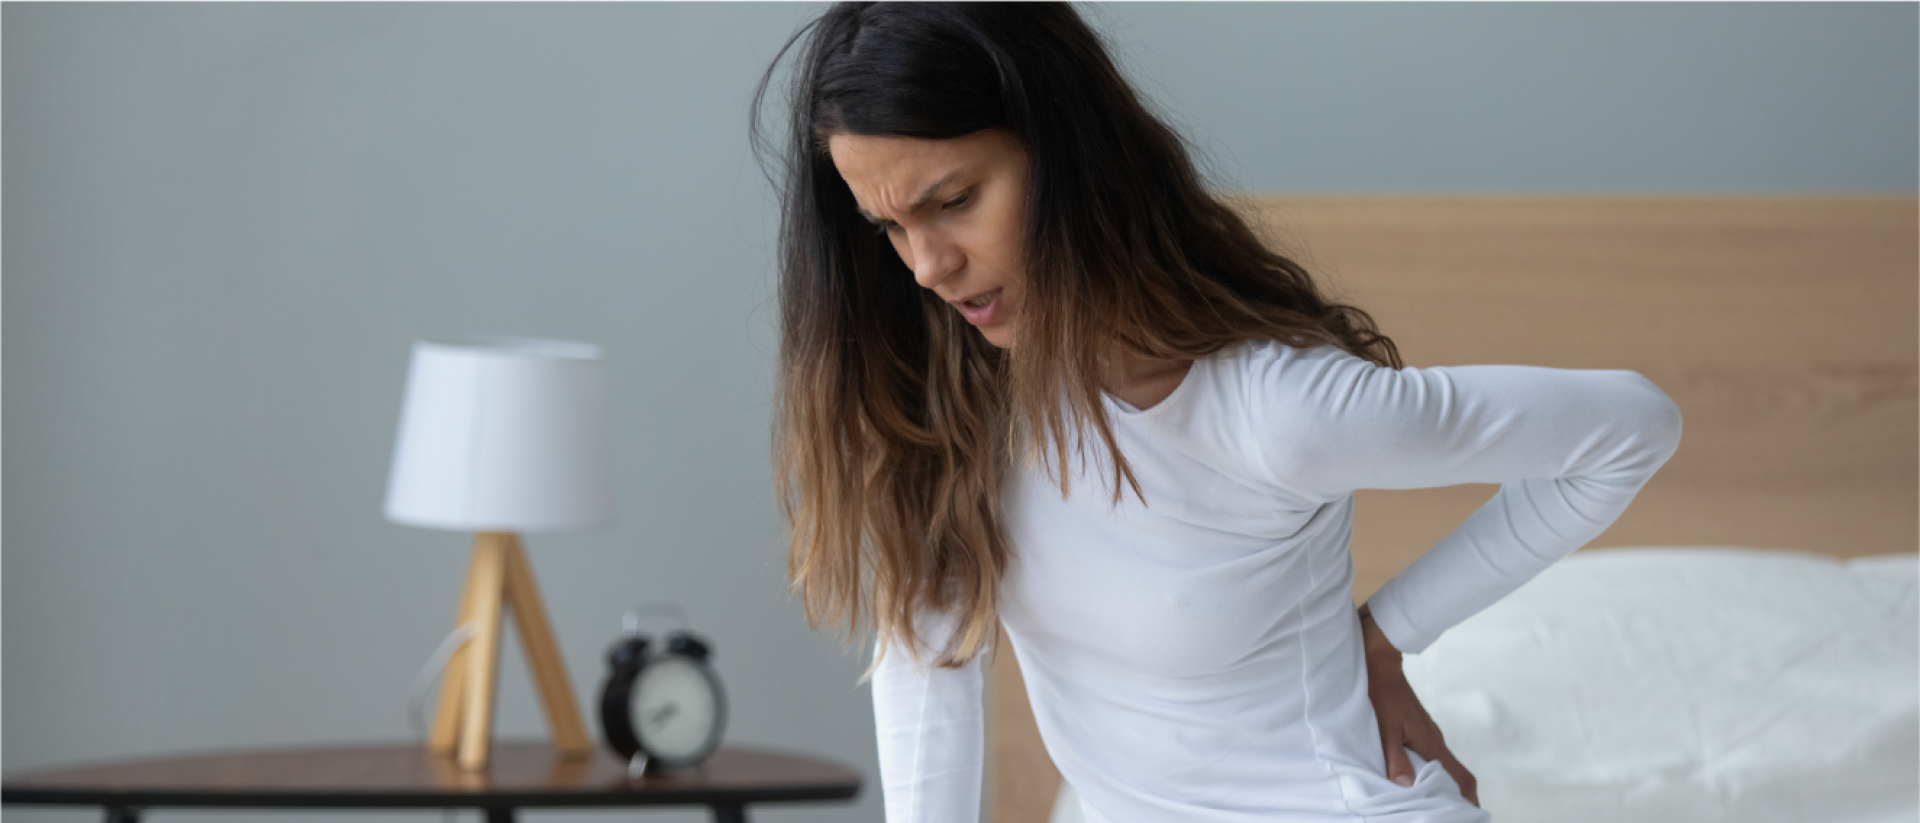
(1199, 658)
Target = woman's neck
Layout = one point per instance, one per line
(1142, 382)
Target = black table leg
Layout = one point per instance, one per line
(730, 813)
(123, 814)
(499, 814)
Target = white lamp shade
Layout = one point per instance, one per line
(502, 434)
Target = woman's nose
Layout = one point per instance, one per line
(933, 259)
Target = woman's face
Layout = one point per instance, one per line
(955, 211)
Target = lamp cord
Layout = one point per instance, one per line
(423, 683)
(431, 672)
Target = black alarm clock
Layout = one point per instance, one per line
(662, 708)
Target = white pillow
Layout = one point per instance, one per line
(1691, 685)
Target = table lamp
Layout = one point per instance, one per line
(499, 436)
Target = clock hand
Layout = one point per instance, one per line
(663, 714)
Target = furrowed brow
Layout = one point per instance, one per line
(930, 191)
(918, 202)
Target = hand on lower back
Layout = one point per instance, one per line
(1404, 722)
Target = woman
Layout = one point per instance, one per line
(1033, 374)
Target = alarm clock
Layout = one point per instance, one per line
(661, 708)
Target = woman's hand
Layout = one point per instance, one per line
(1404, 723)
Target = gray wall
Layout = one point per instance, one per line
(224, 224)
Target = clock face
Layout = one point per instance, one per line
(677, 710)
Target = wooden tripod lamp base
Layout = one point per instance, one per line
(498, 578)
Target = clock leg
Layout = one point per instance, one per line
(499, 814)
(123, 814)
(730, 813)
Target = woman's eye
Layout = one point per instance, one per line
(957, 202)
(886, 229)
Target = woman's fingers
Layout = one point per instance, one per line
(1469, 789)
(1399, 768)
(1425, 739)
(1405, 724)
(1394, 703)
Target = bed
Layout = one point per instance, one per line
(1741, 644)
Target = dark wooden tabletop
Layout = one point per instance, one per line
(398, 776)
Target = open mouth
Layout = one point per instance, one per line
(982, 309)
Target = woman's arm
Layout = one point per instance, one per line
(1570, 448)
(931, 731)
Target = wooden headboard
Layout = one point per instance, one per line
(1787, 330)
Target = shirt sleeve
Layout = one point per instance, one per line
(1570, 448)
(931, 730)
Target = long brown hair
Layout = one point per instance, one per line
(897, 424)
